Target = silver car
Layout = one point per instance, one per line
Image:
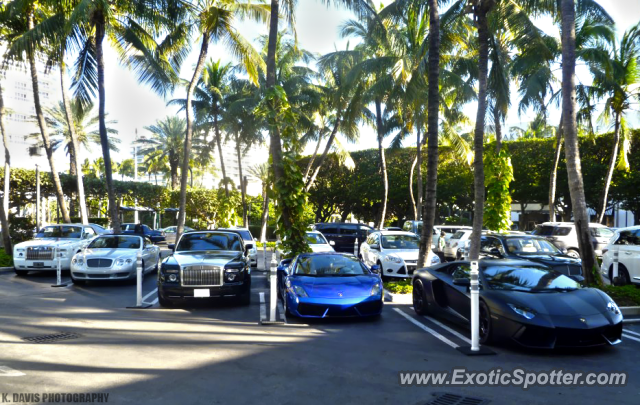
(170, 233)
(114, 257)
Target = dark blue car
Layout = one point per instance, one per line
(329, 284)
(143, 230)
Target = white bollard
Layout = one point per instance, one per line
(614, 274)
(264, 250)
(475, 308)
(273, 279)
(59, 281)
(139, 280)
(355, 248)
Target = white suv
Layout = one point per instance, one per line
(564, 236)
(453, 247)
(625, 241)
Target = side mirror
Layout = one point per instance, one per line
(249, 246)
(374, 246)
(375, 269)
(495, 252)
(172, 246)
(332, 243)
(255, 239)
(462, 282)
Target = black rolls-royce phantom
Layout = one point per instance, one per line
(205, 264)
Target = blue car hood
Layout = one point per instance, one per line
(337, 287)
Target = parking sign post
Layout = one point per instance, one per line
(273, 293)
(474, 290)
(614, 274)
(56, 253)
(139, 277)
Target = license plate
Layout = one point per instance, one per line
(38, 264)
(201, 293)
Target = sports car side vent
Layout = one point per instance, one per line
(56, 337)
(445, 398)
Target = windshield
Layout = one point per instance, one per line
(210, 241)
(400, 242)
(523, 246)
(70, 232)
(329, 266)
(458, 235)
(316, 239)
(115, 242)
(525, 278)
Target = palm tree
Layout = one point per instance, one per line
(126, 168)
(215, 21)
(569, 127)
(165, 145)
(261, 172)
(4, 209)
(617, 80)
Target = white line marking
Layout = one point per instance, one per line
(630, 337)
(281, 310)
(9, 372)
(630, 332)
(263, 308)
(150, 294)
(426, 328)
(154, 302)
(445, 327)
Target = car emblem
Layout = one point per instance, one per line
(583, 320)
(339, 294)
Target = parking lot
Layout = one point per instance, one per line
(220, 353)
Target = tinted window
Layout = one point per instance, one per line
(349, 230)
(71, 232)
(461, 271)
(487, 244)
(210, 241)
(328, 228)
(457, 235)
(400, 242)
(562, 231)
(246, 235)
(628, 238)
(544, 230)
(530, 246)
(329, 266)
(526, 278)
(115, 242)
(601, 232)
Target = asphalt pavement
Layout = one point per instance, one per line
(219, 353)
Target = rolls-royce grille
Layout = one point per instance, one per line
(197, 276)
(99, 262)
(39, 253)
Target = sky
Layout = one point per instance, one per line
(135, 106)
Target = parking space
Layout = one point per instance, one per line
(217, 352)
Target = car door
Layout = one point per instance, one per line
(457, 295)
(602, 236)
(374, 252)
(628, 246)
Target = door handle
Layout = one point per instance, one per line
(627, 253)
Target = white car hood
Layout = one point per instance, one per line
(61, 243)
(405, 254)
(321, 247)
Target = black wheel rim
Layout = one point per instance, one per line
(418, 297)
(484, 322)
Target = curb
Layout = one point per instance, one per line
(6, 268)
(630, 311)
(397, 298)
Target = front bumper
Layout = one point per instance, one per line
(399, 270)
(306, 307)
(97, 273)
(175, 291)
(41, 265)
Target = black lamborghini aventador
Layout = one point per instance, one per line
(522, 301)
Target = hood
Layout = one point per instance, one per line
(552, 260)
(210, 258)
(337, 287)
(110, 253)
(405, 254)
(321, 247)
(61, 243)
(581, 302)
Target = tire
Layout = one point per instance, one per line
(382, 276)
(21, 273)
(164, 302)
(623, 275)
(486, 327)
(573, 253)
(419, 298)
(286, 307)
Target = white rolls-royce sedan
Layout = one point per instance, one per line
(113, 257)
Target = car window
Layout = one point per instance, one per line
(562, 231)
(314, 238)
(458, 235)
(89, 232)
(115, 242)
(527, 278)
(400, 242)
(329, 266)
(601, 232)
(531, 246)
(348, 229)
(71, 232)
(210, 241)
(487, 244)
(328, 229)
(544, 230)
(461, 271)
(628, 238)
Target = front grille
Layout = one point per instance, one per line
(99, 262)
(311, 309)
(39, 253)
(370, 307)
(200, 276)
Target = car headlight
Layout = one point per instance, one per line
(231, 274)
(123, 262)
(435, 260)
(523, 312)
(376, 289)
(613, 307)
(299, 291)
(79, 261)
(394, 259)
(63, 252)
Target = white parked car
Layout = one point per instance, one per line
(111, 257)
(625, 241)
(249, 241)
(453, 249)
(396, 252)
(318, 243)
(38, 254)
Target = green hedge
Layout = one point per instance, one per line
(624, 296)
(399, 287)
(5, 259)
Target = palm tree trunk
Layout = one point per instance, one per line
(413, 200)
(265, 215)
(574, 169)
(4, 207)
(433, 106)
(173, 168)
(242, 189)
(418, 203)
(498, 125)
(383, 165)
(478, 179)
(104, 136)
(313, 158)
(187, 139)
(84, 216)
(327, 148)
(554, 174)
(72, 172)
(43, 128)
(274, 134)
(219, 145)
(612, 166)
